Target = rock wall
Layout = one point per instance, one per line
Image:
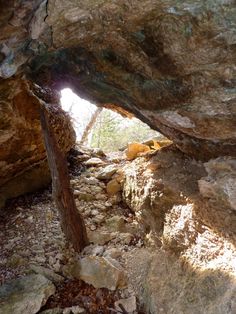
(188, 208)
(23, 162)
(170, 187)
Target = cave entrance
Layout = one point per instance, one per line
(103, 128)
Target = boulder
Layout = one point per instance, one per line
(113, 187)
(135, 149)
(99, 272)
(155, 61)
(107, 172)
(47, 273)
(100, 237)
(116, 223)
(165, 284)
(94, 161)
(25, 295)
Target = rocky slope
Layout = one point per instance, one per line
(155, 243)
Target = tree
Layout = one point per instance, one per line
(112, 132)
(71, 221)
(90, 125)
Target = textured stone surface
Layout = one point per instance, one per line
(173, 195)
(100, 272)
(23, 163)
(107, 172)
(113, 187)
(166, 285)
(25, 295)
(220, 185)
(170, 63)
(152, 187)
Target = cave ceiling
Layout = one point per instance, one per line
(170, 63)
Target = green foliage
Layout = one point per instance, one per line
(112, 132)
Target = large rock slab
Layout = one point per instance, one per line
(167, 285)
(170, 63)
(25, 295)
(99, 271)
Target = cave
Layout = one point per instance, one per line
(104, 128)
(167, 215)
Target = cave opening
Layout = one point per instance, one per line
(100, 127)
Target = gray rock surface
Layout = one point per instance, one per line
(25, 295)
(107, 172)
(47, 273)
(220, 184)
(99, 272)
(128, 304)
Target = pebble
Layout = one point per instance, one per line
(99, 219)
(94, 212)
(91, 181)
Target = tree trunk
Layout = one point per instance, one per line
(71, 221)
(90, 125)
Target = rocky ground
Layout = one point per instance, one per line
(156, 246)
(32, 240)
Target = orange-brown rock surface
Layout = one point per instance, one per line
(23, 164)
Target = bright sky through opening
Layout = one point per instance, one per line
(79, 109)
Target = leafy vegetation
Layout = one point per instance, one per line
(112, 132)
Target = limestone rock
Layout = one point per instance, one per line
(94, 161)
(107, 172)
(128, 304)
(84, 196)
(74, 310)
(91, 181)
(180, 228)
(100, 237)
(116, 223)
(100, 272)
(47, 273)
(113, 253)
(159, 277)
(25, 295)
(134, 150)
(159, 185)
(220, 185)
(113, 187)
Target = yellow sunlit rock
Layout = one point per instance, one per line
(134, 149)
(113, 187)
